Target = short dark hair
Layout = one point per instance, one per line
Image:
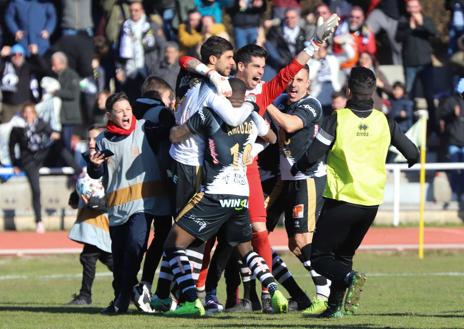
(97, 126)
(362, 82)
(238, 88)
(112, 99)
(398, 84)
(337, 94)
(214, 46)
(245, 53)
(153, 86)
(191, 11)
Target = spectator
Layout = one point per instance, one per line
(246, 16)
(169, 67)
(415, 31)
(210, 8)
(324, 72)
(456, 23)
(90, 87)
(115, 13)
(77, 32)
(49, 107)
(31, 22)
(339, 100)
(77, 17)
(283, 43)
(209, 28)
(382, 85)
(364, 39)
(34, 138)
(280, 7)
(385, 18)
(190, 33)
(341, 7)
(182, 9)
(18, 78)
(69, 93)
(100, 110)
(167, 10)
(451, 114)
(401, 107)
(309, 23)
(141, 48)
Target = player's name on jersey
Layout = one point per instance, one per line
(244, 128)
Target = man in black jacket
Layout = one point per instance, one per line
(246, 17)
(284, 42)
(451, 114)
(18, 78)
(415, 31)
(356, 140)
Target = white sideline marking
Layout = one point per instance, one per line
(376, 247)
(109, 274)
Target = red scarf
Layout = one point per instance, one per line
(114, 129)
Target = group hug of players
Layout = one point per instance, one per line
(199, 163)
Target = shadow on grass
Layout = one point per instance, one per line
(447, 314)
(327, 324)
(57, 309)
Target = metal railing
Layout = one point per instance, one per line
(396, 168)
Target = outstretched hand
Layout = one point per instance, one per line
(221, 83)
(325, 29)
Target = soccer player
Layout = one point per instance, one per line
(298, 117)
(135, 191)
(217, 63)
(222, 203)
(356, 140)
(154, 105)
(251, 60)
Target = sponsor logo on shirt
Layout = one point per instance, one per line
(362, 130)
(238, 204)
(298, 211)
(309, 108)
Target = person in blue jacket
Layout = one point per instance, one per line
(31, 22)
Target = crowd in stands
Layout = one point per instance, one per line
(68, 56)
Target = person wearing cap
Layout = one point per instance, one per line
(18, 78)
(356, 140)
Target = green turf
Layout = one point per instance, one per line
(401, 292)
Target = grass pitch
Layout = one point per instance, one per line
(401, 292)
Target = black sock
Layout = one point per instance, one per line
(182, 271)
(285, 277)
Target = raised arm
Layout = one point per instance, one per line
(194, 65)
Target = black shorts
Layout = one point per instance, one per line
(300, 201)
(207, 214)
(187, 180)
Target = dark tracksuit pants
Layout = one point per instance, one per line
(89, 257)
(31, 169)
(340, 230)
(129, 242)
(162, 226)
